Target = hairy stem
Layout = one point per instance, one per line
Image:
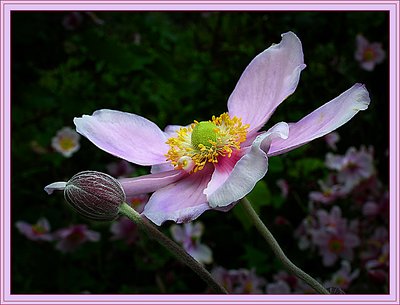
(174, 248)
(278, 251)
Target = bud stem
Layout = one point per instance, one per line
(174, 248)
(278, 250)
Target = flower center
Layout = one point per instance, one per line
(336, 245)
(369, 55)
(206, 142)
(204, 134)
(67, 143)
(38, 229)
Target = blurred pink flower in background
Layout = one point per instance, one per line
(284, 283)
(330, 191)
(278, 287)
(71, 238)
(241, 281)
(138, 201)
(343, 277)
(368, 54)
(248, 282)
(120, 169)
(353, 167)
(188, 235)
(378, 267)
(283, 186)
(334, 236)
(375, 255)
(331, 139)
(66, 141)
(303, 232)
(378, 206)
(124, 229)
(370, 208)
(38, 231)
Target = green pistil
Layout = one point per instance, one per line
(203, 133)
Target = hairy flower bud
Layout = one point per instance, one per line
(94, 195)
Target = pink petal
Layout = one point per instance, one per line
(182, 201)
(55, 186)
(92, 235)
(163, 167)
(177, 232)
(149, 183)
(362, 44)
(368, 65)
(125, 135)
(197, 229)
(201, 253)
(224, 189)
(322, 121)
(380, 54)
(269, 79)
(329, 258)
(222, 171)
(170, 130)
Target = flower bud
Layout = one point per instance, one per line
(94, 195)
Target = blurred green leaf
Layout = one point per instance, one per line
(258, 197)
(305, 167)
(257, 259)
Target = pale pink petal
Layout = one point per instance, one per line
(323, 217)
(171, 130)
(336, 213)
(197, 229)
(329, 258)
(150, 183)
(201, 253)
(225, 166)
(379, 52)
(92, 235)
(55, 186)
(368, 65)
(182, 201)
(177, 232)
(23, 226)
(270, 77)
(222, 171)
(247, 171)
(362, 43)
(163, 167)
(323, 120)
(44, 223)
(370, 209)
(125, 135)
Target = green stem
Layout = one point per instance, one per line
(278, 251)
(174, 248)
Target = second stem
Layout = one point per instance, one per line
(278, 250)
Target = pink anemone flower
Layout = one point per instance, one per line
(38, 231)
(189, 236)
(71, 238)
(213, 164)
(368, 54)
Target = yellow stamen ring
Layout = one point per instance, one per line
(204, 142)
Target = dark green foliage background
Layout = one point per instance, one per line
(184, 69)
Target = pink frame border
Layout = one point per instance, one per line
(7, 6)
